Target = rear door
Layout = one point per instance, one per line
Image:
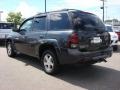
(59, 27)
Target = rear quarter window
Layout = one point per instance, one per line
(59, 21)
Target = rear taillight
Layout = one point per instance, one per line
(73, 41)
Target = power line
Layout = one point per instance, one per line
(103, 8)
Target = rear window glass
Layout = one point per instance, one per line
(88, 19)
(6, 25)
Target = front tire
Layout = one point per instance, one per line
(50, 63)
(10, 50)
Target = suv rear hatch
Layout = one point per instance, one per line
(91, 32)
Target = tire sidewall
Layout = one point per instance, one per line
(55, 68)
(12, 50)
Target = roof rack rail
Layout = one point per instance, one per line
(55, 11)
(68, 9)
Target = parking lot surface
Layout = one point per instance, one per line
(24, 73)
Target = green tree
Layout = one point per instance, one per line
(16, 18)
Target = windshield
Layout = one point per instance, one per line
(6, 25)
(88, 20)
(109, 29)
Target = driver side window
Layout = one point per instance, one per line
(27, 25)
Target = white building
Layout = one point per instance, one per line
(115, 25)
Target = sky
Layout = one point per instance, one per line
(31, 7)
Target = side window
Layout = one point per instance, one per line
(39, 23)
(59, 21)
(27, 25)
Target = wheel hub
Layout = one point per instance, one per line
(9, 49)
(48, 62)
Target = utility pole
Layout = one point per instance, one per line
(45, 5)
(0, 14)
(103, 8)
(106, 12)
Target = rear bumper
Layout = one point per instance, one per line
(70, 56)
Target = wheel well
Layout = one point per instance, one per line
(8, 40)
(46, 47)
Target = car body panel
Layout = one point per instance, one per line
(114, 38)
(5, 29)
(113, 35)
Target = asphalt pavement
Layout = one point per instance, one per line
(25, 73)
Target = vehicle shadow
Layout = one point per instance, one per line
(2, 45)
(117, 51)
(89, 77)
(28, 60)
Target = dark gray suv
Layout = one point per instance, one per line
(61, 37)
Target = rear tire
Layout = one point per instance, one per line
(10, 50)
(49, 61)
